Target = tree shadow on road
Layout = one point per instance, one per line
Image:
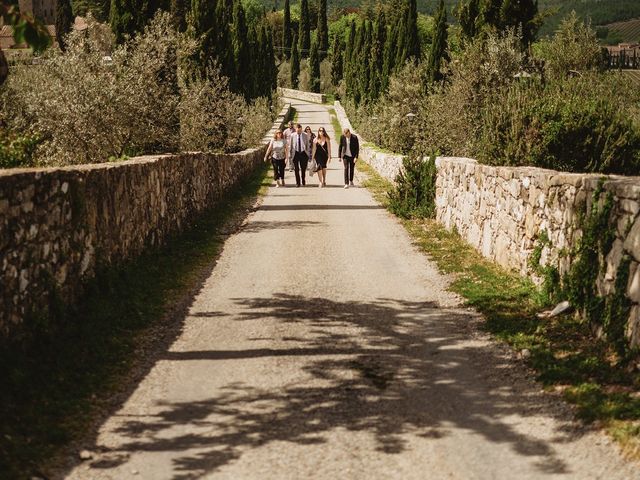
(404, 369)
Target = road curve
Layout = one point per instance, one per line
(325, 346)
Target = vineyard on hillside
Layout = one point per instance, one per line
(634, 75)
(627, 31)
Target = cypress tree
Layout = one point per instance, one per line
(468, 17)
(491, 14)
(376, 65)
(521, 15)
(337, 60)
(241, 52)
(389, 56)
(223, 40)
(271, 61)
(314, 67)
(295, 63)
(286, 31)
(122, 19)
(364, 85)
(304, 33)
(323, 30)
(401, 45)
(412, 44)
(203, 18)
(355, 82)
(347, 70)
(178, 9)
(64, 22)
(438, 51)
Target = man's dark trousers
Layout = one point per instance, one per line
(349, 168)
(300, 161)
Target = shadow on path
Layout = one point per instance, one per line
(404, 369)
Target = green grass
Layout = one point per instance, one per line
(330, 98)
(564, 354)
(337, 128)
(53, 392)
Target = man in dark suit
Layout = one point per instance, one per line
(298, 147)
(348, 154)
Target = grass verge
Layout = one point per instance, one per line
(82, 363)
(563, 352)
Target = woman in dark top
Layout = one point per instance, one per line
(322, 155)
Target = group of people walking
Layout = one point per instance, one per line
(300, 151)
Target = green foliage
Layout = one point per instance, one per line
(322, 32)
(304, 32)
(469, 18)
(314, 67)
(295, 63)
(337, 61)
(579, 124)
(240, 82)
(414, 192)
(438, 53)
(574, 47)
(286, 31)
(17, 150)
(179, 9)
(521, 16)
(64, 22)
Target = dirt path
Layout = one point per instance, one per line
(325, 346)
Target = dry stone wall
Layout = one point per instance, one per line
(301, 95)
(58, 225)
(387, 164)
(504, 212)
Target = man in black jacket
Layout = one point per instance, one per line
(348, 153)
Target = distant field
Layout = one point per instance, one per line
(627, 31)
(634, 75)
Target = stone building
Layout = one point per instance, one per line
(43, 10)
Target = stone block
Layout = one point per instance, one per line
(632, 242)
(633, 286)
(633, 327)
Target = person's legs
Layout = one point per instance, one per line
(345, 162)
(296, 167)
(304, 163)
(352, 170)
(280, 173)
(324, 177)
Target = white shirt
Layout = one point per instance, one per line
(347, 148)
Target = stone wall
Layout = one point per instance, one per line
(57, 225)
(300, 95)
(504, 212)
(387, 164)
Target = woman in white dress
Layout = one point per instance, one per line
(279, 154)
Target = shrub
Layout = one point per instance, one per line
(17, 150)
(579, 124)
(210, 115)
(414, 192)
(87, 108)
(575, 46)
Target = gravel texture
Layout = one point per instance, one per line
(325, 346)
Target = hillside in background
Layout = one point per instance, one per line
(601, 12)
(626, 31)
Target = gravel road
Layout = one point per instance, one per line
(325, 346)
